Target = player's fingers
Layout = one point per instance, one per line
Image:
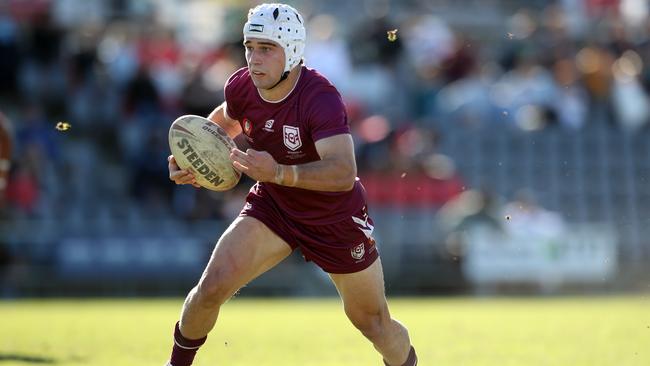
(196, 185)
(241, 157)
(240, 154)
(237, 152)
(176, 174)
(239, 166)
(183, 182)
(258, 155)
(172, 164)
(253, 153)
(188, 178)
(182, 177)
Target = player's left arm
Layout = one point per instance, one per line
(335, 172)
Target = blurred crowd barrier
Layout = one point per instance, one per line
(479, 111)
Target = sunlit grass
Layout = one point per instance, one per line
(458, 331)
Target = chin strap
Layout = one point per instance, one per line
(282, 78)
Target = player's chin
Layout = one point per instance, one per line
(261, 83)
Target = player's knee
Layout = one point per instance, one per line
(216, 287)
(370, 323)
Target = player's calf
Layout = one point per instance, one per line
(387, 335)
(199, 316)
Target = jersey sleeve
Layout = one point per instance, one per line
(233, 95)
(327, 116)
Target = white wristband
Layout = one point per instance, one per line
(279, 174)
(294, 176)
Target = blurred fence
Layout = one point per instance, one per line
(599, 174)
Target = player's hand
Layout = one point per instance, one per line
(258, 165)
(178, 175)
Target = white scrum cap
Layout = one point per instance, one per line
(279, 23)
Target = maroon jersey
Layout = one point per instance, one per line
(288, 130)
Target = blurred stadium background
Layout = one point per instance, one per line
(504, 145)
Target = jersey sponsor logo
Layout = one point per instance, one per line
(292, 137)
(268, 125)
(248, 126)
(358, 251)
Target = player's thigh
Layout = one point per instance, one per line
(245, 250)
(362, 292)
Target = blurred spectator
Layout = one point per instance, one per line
(42, 76)
(142, 97)
(466, 101)
(415, 177)
(571, 102)
(23, 191)
(460, 62)
(528, 92)
(327, 52)
(428, 41)
(369, 43)
(595, 64)
(630, 101)
(469, 210)
(9, 55)
(5, 158)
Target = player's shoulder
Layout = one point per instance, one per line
(239, 78)
(317, 86)
(317, 82)
(238, 87)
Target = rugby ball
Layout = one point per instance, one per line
(203, 147)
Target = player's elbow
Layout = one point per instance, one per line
(348, 176)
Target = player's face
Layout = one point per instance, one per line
(265, 62)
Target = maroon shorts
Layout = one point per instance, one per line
(342, 247)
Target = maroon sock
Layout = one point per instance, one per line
(411, 360)
(184, 349)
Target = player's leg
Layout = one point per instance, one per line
(246, 249)
(365, 305)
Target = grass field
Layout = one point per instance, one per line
(458, 331)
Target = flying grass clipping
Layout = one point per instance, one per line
(63, 126)
(392, 35)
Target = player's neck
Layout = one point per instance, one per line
(282, 90)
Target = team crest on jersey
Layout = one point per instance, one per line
(268, 125)
(248, 126)
(291, 137)
(358, 251)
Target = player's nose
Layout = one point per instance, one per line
(254, 58)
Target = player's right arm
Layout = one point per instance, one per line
(221, 118)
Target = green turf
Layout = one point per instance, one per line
(588, 331)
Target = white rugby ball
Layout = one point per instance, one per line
(203, 147)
